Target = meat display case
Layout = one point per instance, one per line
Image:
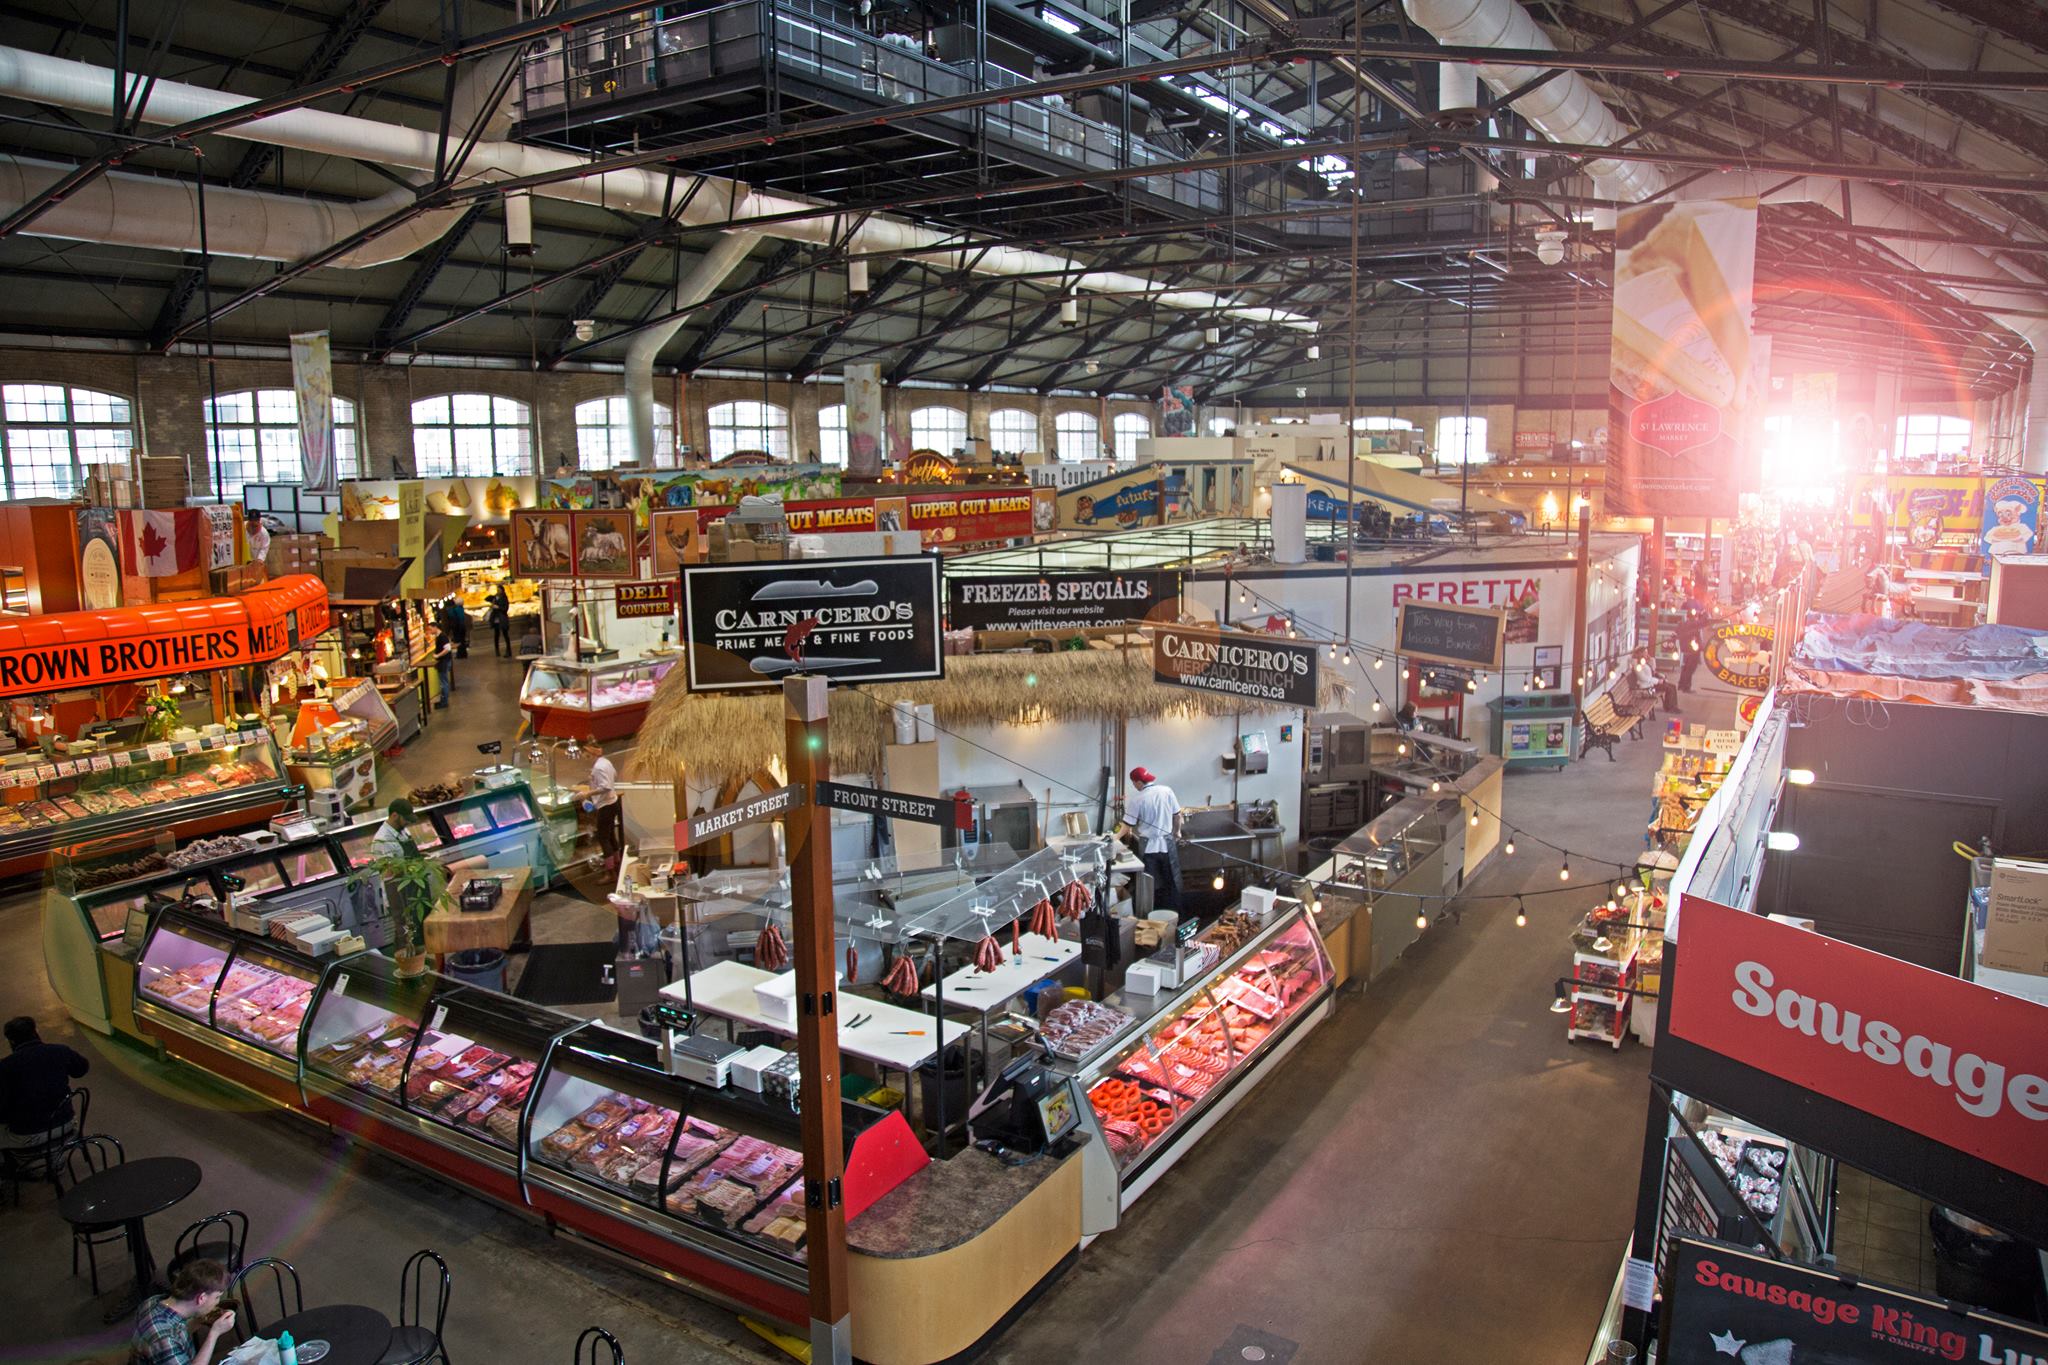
(190, 786)
(720, 1171)
(230, 1002)
(1189, 1056)
(568, 698)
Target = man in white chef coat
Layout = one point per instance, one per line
(1153, 816)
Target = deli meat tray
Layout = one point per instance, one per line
(1078, 1029)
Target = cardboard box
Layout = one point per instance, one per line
(2016, 924)
(377, 537)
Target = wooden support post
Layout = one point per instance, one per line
(807, 833)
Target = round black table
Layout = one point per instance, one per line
(342, 1334)
(126, 1195)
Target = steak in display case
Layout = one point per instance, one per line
(364, 1024)
(475, 1061)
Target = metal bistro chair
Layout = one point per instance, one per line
(283, 1276)
(589, 1348)
(44, 1162)
(228, 1244)
(412, 1341)
(83, 1159)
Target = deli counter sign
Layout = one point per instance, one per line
(645, 599)
(748, 626)
(1233, 664)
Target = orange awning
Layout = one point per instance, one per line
(135, 644)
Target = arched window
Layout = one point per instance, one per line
(1013, 431)
(940, 429)
(749, 426)
(1080, 438)
(832, 447)
(1128, 428)
(604, 434)
(1461, 440)
(1930, 436)
(473, 435)
(52, 432)
(253, 437)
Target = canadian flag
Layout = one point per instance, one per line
(160, 544)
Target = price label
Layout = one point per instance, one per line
(123, 759)
(341, 984)
(102, 762)
(66, 768)
(159, 751)
(440, 1018)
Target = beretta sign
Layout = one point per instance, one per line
(1951, 1060)
(1233, 664)
(1057, 601)
(847, 620)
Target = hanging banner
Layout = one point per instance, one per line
(222, 520)
(636, 600)
(849, 620)
(1119, 501)
(1235, 665)
(1946, 1058)
(412, 518)
(1176, 409)
(861, 389)
(99, 559)
(1725, 1304)
(313, 387)
(2012, 517)
(1679, 370)
(1060, 601)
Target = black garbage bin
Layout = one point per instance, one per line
(959, 1088)
(478, 966)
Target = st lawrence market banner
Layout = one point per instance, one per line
(1679, 385)
(1726, 1306)
(313, 387)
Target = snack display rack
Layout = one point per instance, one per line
(1189, 1056)
(567, 698)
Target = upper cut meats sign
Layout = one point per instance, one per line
(1232, 664)
(1949, 1059)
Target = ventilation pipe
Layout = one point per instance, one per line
(1564, 108)
(81, 86)
(698, 285)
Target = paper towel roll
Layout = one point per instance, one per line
(904, 714)
(927, 724)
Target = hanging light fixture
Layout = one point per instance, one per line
(1217, 881)
(1378, 661)
(179, 687)
(38, 713)
(1315, 353)
(856, 277)
(1521, 914)
(1435, 786)
(1511, 844)
(1213, 335)
(1375, 705)
(1422, 921)
(1473, 819)
(1070, 310)
(1564, 871)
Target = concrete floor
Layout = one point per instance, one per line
(1434, 1175)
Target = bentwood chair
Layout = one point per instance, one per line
(83, 1159)
(413, 1342)
(43, 1163)
(592, 1346)
(282, 1278)
(222, 1237)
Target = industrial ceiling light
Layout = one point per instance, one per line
(1070, 310)
(1781, 841)
(586, 328)
(1315, 353)
(1550, 246)
(1799, 777)
(1212, 335)
(856, 277)
(519, 223)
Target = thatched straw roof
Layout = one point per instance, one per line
(716, 738)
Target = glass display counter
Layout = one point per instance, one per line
(203, 980)
(1189, 1055)
(185, 786)
(569, 698)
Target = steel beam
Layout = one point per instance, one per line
(424, 272)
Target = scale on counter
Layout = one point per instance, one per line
(1026, 1110)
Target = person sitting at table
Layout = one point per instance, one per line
(35, 1086)
(165, 1324)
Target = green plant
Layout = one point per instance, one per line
(163, 713)
(413, 886)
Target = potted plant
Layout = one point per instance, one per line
(413, 885)
(162, 716)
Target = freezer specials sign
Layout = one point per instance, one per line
(1250, 667)
(848, 620)
(1057, 601)
(1947, 1058)
(1723, 1304)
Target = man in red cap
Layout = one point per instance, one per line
(1153, 816)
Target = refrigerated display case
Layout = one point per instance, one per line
(189, 787)
(568, 698)
(1191, 1055)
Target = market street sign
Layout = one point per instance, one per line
(1058, 601)
(1723, 1304)
(1948, 1059)
(947, 812)
(700, 828)
(1234, 664)
(748, 626)
(645, 599)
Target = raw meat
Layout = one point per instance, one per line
(771, 953)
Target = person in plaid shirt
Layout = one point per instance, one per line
(163, 1334)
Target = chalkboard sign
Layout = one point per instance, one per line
(1451, 635)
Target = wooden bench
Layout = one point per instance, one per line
(1602, 724)
(1631, 700)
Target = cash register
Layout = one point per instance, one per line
(1026, 1111)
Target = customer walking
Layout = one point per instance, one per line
(1689, 635)
(501, 620)
(1153, 815)
(35, 1086)
(444, 664)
